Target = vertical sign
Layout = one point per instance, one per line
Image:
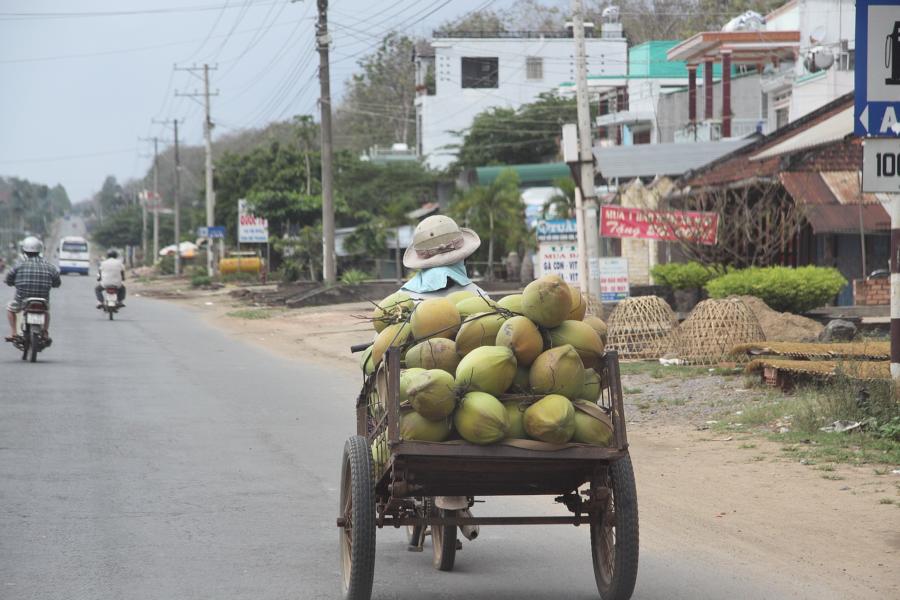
(559, 258)
(877, 76)
(251, 229)
(614, 279)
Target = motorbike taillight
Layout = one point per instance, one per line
(35, 308)
(112, 290)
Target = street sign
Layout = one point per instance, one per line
(877, 76)
(251, 229)
(216, 232)
(202, 232)
(559, 258)
(614, 279)
(556, 229)
(881, 165)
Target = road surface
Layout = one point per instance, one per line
(153, 457)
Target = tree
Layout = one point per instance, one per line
(119, 229)
(562, 204)
(497, 213)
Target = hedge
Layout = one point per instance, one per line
(682, 276)
(785, 289)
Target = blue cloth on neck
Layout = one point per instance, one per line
(438, 278)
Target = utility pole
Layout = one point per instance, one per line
(177, 200)
(322, 41)
(207, 137)
(586, 181)
(155, 200)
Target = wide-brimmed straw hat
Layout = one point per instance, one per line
(438, 241)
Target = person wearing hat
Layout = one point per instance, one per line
(438, 251)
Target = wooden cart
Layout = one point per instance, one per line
(386, 481)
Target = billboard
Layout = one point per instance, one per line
(251, 229)
(670, 225)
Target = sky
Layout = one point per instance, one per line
(81, 82)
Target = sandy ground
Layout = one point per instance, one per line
(714, 492)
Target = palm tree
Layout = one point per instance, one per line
(561, 204)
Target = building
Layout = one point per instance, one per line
(460, 74)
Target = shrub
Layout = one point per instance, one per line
(166, 265)
(353, 277)
(788, 289)
(290, 271)
(683, 276)
(200, 280)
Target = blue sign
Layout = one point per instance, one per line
(557, 229)
(877, 76)
(216, 232)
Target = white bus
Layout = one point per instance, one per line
(74, 255)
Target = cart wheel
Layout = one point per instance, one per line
(614, 535)
(357, 537)
(443, 541)
(413, 532)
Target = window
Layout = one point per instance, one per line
(781, 117)
(764, 106)
(534, 67)
(74, 247)
(478, 72)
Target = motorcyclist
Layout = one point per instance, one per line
(111, 273)
(32, 277)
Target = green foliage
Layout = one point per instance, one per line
(562, 204)
(354, 277)
(120, 228)
(290, 271)
(789, 289)
(200, 280)
(682, 276)
(166, 265)
(890, 430)
(303, 251)
(27, 206)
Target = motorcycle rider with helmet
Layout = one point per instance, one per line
(33, 277)
(111, 274)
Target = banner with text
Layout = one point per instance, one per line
(251, 229)
(614, 284)
(671, 225)
(558, 258)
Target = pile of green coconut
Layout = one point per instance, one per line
(525, 367)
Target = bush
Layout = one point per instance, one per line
(290, 271)
(166, 265)
(683, 276)
(200, 280)
(354, 277)
(784, 289)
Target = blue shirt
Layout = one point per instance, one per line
(438, 278)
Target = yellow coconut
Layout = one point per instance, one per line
(393, 309)
(558, 371)
(365, 362)
(592, 425)
(515, 413)
(592, 386)
(579, 305)
(513, 303)
(436, 353)
(435, 318)
(547, 301)
(406, 377)
(481, 418)
(598, 325)
(550, 419)
(393, 335)
(580, 336)
(477, 330)
(521, 336)
(489, 369)
(470, 306)
(414, 426)
(457, 297)
(432, 394)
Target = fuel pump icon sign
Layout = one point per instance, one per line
(892, 55)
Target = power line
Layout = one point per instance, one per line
(66, 157)
(22, 16)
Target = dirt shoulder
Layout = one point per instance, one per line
(731, 494)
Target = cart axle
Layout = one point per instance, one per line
(457, 521)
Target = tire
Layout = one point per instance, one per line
(26, 339)
(614, 535)
(35, 342)
(443, 541)
(413, 532)
(357, 507)
(110, 314)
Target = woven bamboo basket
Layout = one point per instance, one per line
(643, 327)
(714, 328)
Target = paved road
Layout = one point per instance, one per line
(154, 458)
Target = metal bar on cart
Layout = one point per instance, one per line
(618, 404)
(451, 521)
(392, 402)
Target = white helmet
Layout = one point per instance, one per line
(32, 245)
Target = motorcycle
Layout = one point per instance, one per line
(31, 339)
(111, 301)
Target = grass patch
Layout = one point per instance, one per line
(747, 446)
(831, 477)
(758, 458)
(886, 501)
(251, 313)
(825, 468)
(655, 370)
(631, 390)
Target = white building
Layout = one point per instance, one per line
(464, 74)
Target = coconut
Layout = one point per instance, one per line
(481, 418)
(436, 353)
(479, 304)
(489, 369)
(515, 414)
(406, 377)
(393, 335)
(520, 381)
(435, 318)
(365, 362)
(432, 394)
(580, 336)
(550, 419)
(558, 371)
(478, 330)
(414, 426)
(457, 297)
(393, 309)
(592, 386)
(512, 303)
(598, 325)
(592, 425)
(521, 336)
(547, 301)
(579, 306)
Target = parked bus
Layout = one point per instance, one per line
(74, 255)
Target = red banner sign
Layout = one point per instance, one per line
(672, 225)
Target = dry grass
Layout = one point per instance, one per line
(824, 368)
(816, 351)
